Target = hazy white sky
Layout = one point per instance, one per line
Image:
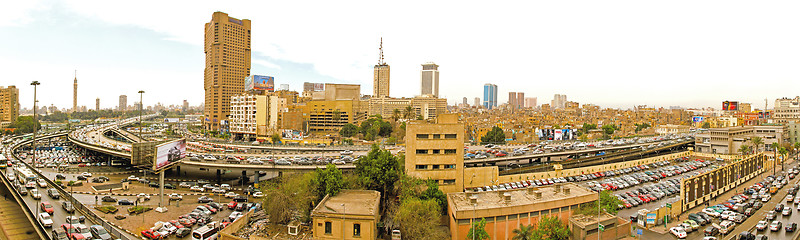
(611, 53)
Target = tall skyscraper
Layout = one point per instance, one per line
(477, 102)
(75, 93)
(520, 103)
(9, 105)
(512, 100)
(380, 82)
(530, 102)
(489, 96)
(429, 79)
(97, 105)
(185, 107)
(227, 49)
(123, 103)
(464, 101)
(559, 101)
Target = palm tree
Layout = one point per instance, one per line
(523, 233)
(396, 114)
(783, 153)
(408, 113)
(796, 146)
(757, 142)
(744, 149)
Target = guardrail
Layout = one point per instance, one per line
(40, 230)
(91, 216)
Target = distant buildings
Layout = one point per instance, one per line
(667, 129)
(489, 96)
(429, 79)
(516, 100)
(97, 105)
(255, 115)
(123, 103)
(559, 101)
(185, 107)
(787, 109)
(530, 102)
(227, 49)
(464, 101)
(9, 105)
(728, 140)
(477, 102)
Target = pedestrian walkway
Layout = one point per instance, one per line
(13, 222)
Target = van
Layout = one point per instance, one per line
(208, 232)
(396, 235)
(726, 226)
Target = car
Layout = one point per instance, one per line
(86, 174)
(779, 207)
(153, 184)
(709, 238)
(711, 231)
(775, 226)
(185, 184)
(150, 234)
(678, 232)
(98, 232)
(143, 197)
(787, 211)
(771, 215)
(711, 212)
(183, 232)
(59, 234)
(35, 194)
(46, 207)
(61, 176)
(45, 219)
(230, 195)
(791, 227)
(41, 182)
(235, 215)
(789, 198)
(218, 191)
(761, 225)
(83, 230)
(124, 202)
(204, 199)
(108, 199)
(196, 189)
(80, 177)
(692, 224)
(258, 194)
(73, 220)
(53, 193)
(67, 206)
(175, 196)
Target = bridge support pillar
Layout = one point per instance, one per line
(178, 170)
(219, 176)
(244, 177)
(548, 159)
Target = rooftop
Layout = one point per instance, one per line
(523, 197)
(584, 220)
(350, 202)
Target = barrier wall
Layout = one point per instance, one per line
(235, 226)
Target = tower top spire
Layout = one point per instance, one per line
(380, 49)
(76, 76)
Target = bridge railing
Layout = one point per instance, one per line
(40, 230)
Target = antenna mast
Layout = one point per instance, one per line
(380, 60)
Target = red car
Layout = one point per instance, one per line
(186, 222)
(76, 236)
(500, 155)
(47, 207)
(70, 229)
(150, 234)
(232, 205)
(176, 223)
(212, 209)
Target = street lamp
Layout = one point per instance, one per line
(141, 107)
(33, 143)
(344, 211)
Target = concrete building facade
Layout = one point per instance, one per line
(668, 129)
(97, 105)
(254, 116)
(729, 140)
(429, 79)
(351, 214)
(9, 105)
(489, 96)
(787, 109)
(227, 52)
(530, 102)
(559, 101)
(123, 103)
(436, 151)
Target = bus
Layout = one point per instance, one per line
(208, 232)
(3, 161)
(24, 174)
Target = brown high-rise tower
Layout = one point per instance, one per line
(227, 49)
(380, 82)
(75, 93)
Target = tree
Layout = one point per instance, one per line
(408, 112)
(608, 130)
(478, 229)
(290, 194)
(744, 149)
(783, 152)
(396, 114)
(706, 125)
(551, 228)
(523, 232)
(757, 142)
(639, 127)
(348, 130)
(327, 181)
(608, 203)
(275, 138)
(588, 126)
(419, 220)
(495, 136)
(378, 170)
(433, 193)
(337, 115)
(25, 124)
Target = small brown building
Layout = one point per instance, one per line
(351, 214)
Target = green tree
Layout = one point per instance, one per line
(408, 112)
(495, 136)
(797, 145)
(327, 181)
(774, 146)
(349, 130)
(432, 192)
(744, 149)
(523, 232)
(640, 127)
(337, 115)
(783, 152)
(288, 195)
(551, 228)
(378, 170)
(25, 124)
(478, 229)
(757, 143)
(608, 130)
(419, 220)
(275, 138)
(706, 125)
(608, 203)
(396, 114)
(588, 126)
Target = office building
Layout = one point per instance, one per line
(254, 115)
(787, 109)
(427, 107)
(559, 101)
(504, 211)
(97, 105)
(227, 51)
(489, 96)
(351, 214)
(728, 140)
(668, 129)
(464, 101)
(477, 102)
(516, 100)
(429, 79)
(123, 103)
(745, 107)
(530, 102)
(75, 94)
(793, 127)
(185, 107)
(435, 151)
(9, 105)
(380, 82)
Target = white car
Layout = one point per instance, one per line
(766, 198)
(231, 195)
(197, 189)
(709, 238)
(225, 186)
(235, 215)
(42, 183)
(133, 178)
(86, 174)
(175, 196)
(45, 219)
(678, 232)
(726, 214)
(711, 212)
(143, 196)
(346, 152)
(218, 190)
(258, 194)
(35, 194)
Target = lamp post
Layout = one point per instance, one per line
(141, 108)
(344, 211)
(33, 143)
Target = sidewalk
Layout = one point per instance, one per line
(724, 197)
(13, 222)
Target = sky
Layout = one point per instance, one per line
(611, 53)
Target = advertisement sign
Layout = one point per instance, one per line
(651, 218)
(318, 87)
(698, 119)
(168, 153)
(558, 134)
(292, 134)
(259, 82)
(730, 106)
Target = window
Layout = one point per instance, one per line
(436, 151)
(422, 151)
(449, 151)
(450, 136)
(448, 181)
(437, 136)
(422, 167)
(450, 166)
(328, 228)
(356, 229)
(422, 136)
(435, 166)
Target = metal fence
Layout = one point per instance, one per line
(31, 216)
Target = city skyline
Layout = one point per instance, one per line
(695, 61)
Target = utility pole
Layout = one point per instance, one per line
(33, 143)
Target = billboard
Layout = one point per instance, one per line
(318, 87)
(698, 119)
(259, 82)
(168, 153)
(730, 105)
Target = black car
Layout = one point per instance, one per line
(153, 184)
(81, 177)
(711, 231)
(779, 207)
(790, 227)
(746, 236)
(169, 186)
(53, 193)
(104, 178)
(215, 205)
(98, 180)
(183, 232)
(204, 199)
(109, 199)
(124, 202)
(61, 176)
